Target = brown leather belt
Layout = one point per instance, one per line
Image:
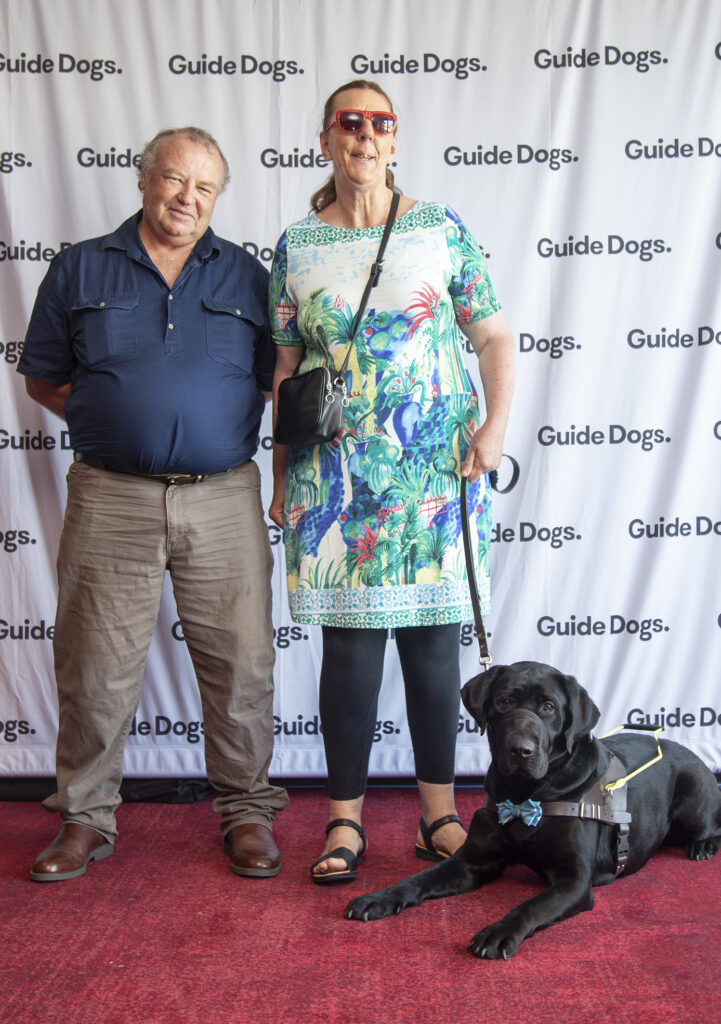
(169, 479)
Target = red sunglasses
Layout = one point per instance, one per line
(351, 121)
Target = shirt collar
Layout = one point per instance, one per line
(126, 238)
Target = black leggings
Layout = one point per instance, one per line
(350, 681)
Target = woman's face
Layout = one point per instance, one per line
(360, 159)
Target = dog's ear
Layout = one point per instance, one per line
(581, 713)
(476, 693)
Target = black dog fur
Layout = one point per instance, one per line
(539, 724)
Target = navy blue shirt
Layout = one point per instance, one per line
(164, 380)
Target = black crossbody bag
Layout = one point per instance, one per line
(311, 404)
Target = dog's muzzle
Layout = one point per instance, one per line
(520, 743)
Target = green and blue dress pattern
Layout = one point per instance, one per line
(372, 519)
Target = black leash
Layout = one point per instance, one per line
(485, 657)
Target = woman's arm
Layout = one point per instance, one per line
(286, 360)
(493, 344)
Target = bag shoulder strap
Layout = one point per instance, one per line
(485, 657)
(375, 273)
(377, 265)
(376, 268)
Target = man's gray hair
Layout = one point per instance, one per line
(199, 135)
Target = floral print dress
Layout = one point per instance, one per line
(372, 519)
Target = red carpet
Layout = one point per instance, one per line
(163, 933)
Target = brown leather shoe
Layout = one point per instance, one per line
(252, 851)
(69, 853)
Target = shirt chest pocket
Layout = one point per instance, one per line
(230, 331)
(105, 329)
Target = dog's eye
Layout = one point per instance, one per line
(505, 703)
(548, 706)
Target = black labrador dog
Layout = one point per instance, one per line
(552, 806)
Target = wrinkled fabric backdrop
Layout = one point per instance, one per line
(581, 143)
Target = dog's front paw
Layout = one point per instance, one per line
(372, 907)
(495, 942)
(702, 849)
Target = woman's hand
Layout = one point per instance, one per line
(484, 452)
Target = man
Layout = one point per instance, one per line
(153, 343)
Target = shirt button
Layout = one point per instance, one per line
(170, 298)
(237, 312)
(102, 304)
(170, 327)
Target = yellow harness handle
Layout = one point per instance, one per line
(619, 783)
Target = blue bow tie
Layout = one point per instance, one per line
(529, 811)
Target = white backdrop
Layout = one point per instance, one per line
(580, 140)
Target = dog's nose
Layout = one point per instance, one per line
(523, 751)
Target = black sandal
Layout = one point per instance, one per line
(429, 852)
(350, 859)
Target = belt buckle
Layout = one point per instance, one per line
(177, 479)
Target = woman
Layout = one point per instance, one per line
(371, 520)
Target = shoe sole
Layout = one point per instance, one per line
(423, 853)
(334, 878)
(255, 872)
(63, 876)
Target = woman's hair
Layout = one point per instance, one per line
(199, 135)
(326, 194)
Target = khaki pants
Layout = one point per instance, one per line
(120, 534)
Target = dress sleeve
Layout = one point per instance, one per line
(283, 310)
(470, 287)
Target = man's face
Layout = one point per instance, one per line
(180, 191)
